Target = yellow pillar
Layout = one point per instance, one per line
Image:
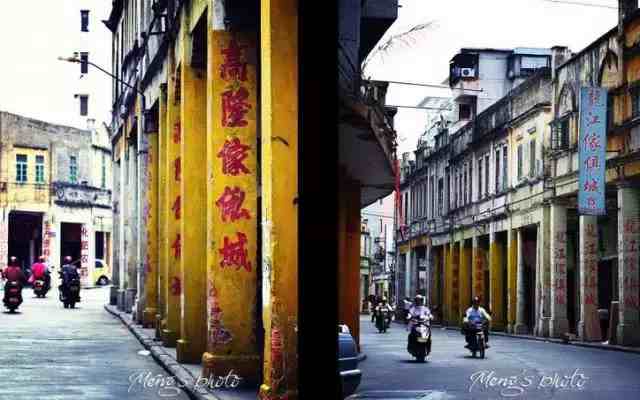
(193, 197)
(496, 283)
(447, 289)
(512, 265)
(477, 274)
(464, 279)
(435, 278)
(151, 223)
(455, 283)
(172, 247)
(161, 184)
(279, 168)
(232, 209)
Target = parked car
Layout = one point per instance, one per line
(101, 274)
(350, 375)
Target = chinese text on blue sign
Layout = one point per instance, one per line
(592, 149)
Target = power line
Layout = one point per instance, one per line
(420, 108)
(430, 85)
(579, 3)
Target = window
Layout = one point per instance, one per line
(560, 134)
(21, 168)
(479, 179)
(464, 111)
(464, 201)
(84, 58)
(497, 177)
(73, 169)
(635, 103)
(84, 104)
(519, 161)
(39, 169)
(440, 197)
(532, 158)
(505, 169)
(104, 173)
(84, 20)
(486, 175)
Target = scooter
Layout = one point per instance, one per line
(383, 319)
(70, 293)
(420, 346)
(42, 286)
(477, 341)
(12, 295)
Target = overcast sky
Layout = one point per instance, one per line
(474, 23)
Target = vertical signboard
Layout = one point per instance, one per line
(84, 254)
(4, 240)
(592, 147)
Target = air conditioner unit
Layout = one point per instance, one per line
(467, 72)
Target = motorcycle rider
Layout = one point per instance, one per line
(384, 306)
(475, 314)
(13, 272)
(417, 310)
(40, 271)
(68, 272)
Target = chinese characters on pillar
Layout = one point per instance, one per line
(84, 251)
(46, 241)
(559, 268)
(4, 244)
(590, 264)
(592, 148)
(478, 278)
(630, 252)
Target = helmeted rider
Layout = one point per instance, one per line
(384, 306)
(417, 310)
(40, 271)
(476, 314)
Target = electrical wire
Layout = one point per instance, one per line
(579, 3)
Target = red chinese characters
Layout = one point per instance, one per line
(233, 154)
(233, 67)
(177, 169)
(176, 208)
(235, 106)
(235, 253)
(592, 162)
(176, 132)
(592, 142)
(230, 204)
(591, 186)
(176, 246)
(176, 286)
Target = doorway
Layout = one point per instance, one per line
(25, 237)
(70, 242)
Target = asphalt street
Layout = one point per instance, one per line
(513, 369)
(51, 353)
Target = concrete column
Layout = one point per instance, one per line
(115, 263)
(589, 325)
(173, 168)
(150, 219)
(496, 257)
(407, 275)
(123, 206)
(464, 279)
(628, 330)
(559, 324)
(512, 262)
(544, 274)
(520, 326)
(193, 185)
(131, 239)
(455, 284)
(477, 274)
(279, 118)
(448, 290)
(163, 215)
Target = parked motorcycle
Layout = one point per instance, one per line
(477, 341)
(12, 295)
(383, 320)
(70, 293)
(420, 338)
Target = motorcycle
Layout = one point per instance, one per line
(420, 346)
(70, 293)
(477, 341)
(12, 295)
(383, 320)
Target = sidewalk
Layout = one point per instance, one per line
(595, 345)
(186, 374)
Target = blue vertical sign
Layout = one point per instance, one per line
(592, 150)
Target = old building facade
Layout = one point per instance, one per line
(507, 226)
(55, 190)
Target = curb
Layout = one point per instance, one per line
(166, 361)
(557, 341)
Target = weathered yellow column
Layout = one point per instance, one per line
(151, 224)
(512, 265)
(464, 278)
(193, 196)
(496, 283)
(232, 209)
(478, 255)
(447, 290)
(455, 283)
(172, 248)
(435, 277)
(161, 185)
(279, 168)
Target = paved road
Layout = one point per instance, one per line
(49, 353)
(451, 372)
